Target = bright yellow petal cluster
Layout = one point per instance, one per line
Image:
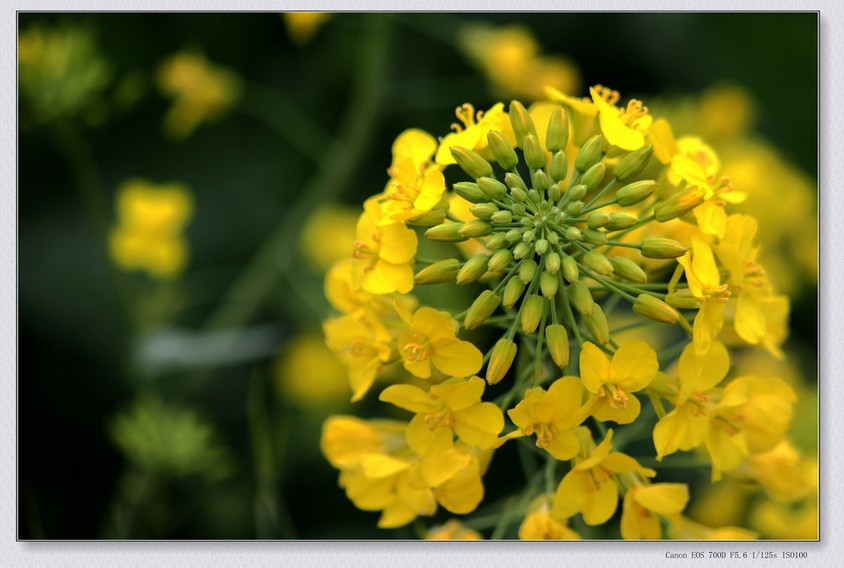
(383, 254)
(431, 342)
(540, 525)
(148, 234)
(644, 505)
(472, 134)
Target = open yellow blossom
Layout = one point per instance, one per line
(416, 184)
(540, 525)
(552, 415)
(785, 475)
(431, 341)
(612, 383)
(202, 92)
(363, 345)
(344, 293)
(645, 504)
(452, 407)
(383, 253)
(624, 128)
(472, 134)
(590, 488)
(704, 280)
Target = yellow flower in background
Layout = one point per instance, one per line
(363, 345)
(327, 234)
(309, 374)
(452, 530)
(612, 383)
(510, 58)
(303, 26)
(645, 504)
(686, 529)
(60, 71)
(431, 342)
(148, 233)
(540, 525)
(202, 92)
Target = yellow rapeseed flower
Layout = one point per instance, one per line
(472, 134)
(452, 530)
(431, 342)
(540, 525)
(644, 505)
(383, 253)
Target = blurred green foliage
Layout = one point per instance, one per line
(314, 122)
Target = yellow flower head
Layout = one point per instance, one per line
(612, 383)
(552, 415)
(383, 253)
(472, 134)
(645, 504)
(201, 91)
(540, 525)
(623, 127)
(431, 341)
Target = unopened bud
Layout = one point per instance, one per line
(683, 299)
(620, 221)
(481, 308)
(574, 208)
(496, 241)
(502, 150)
(492, 187)
(521, 121)
(679, 204)
(533, 194)
(513, 181)
(597, 219)
(541, 246)
(470, 162)
(552, 262)
(655, 309)
(559, 166)
(578, 192)
(595, 237)
(522, 250)
(475, 228)
(633, 163)
(593, 176)
(474, 268)
(629, 270)
(512, 292)
(540, 180)
(500, 260)
(554, 192)
(581, 298)
(598, 262)
(534, 154)
(446, 232)
(514, 235)
(590, 153)
(635, 192)
(519, 194)
(548, 284)
(573, 233)
(428, 219)
(484, 211)
(527, 270)
(500, 360)
(596, 323)
(660, 247)
(442, 271)
(501, 217)
(571, 272)
(557, 339)
(557, 135)
(532, 308)
(470, 191)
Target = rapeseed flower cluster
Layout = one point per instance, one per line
(556, 230)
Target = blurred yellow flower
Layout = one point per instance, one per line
(510, 58)
(309, 374)
(645, 504)
(327, 234)
(202, 92)
(148, 231)
(540, 525)
(452, 530)
(303, 26)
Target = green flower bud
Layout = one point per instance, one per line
(548, 284)
(559, 166)
(581, 298)
(531, 313)
(557, 339)
(521, 121)
(514, 235)
(473, 269)
(633, 163)
(597, 219)
(598, 262)
(501, 217)
(446, 232)
(629, 270)
(679, 204)
(470, 162)
(519, 194)
(659, 247)
(512, 292)
(527, 270)
(573, 233)
(554, 192)
(470, 191)
(557, 135)
(540, 181)
(620, 221)
(571, 272)
(481, 308)
(500, 360)
(552, 262)
(595, 237)
(515, 180)
(475, 228)
(484, 211)
(574, 208)
(534, 154)
(500, 260)
(502, 150)
(596, 323)
(683, 299)
(553, 238)
(492, 187)
(442, 271)
(578, 192)
(522, 250)
(541, 246)
(533, 194)
(593, 176)
(496, 241)
(635, 192)
(590, 153)
(519, 209)
(655, 309)
(529, 236)
(432, 217)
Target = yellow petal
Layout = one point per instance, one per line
(456, 358)
(410, 398)
(426, 440)
(601, 504)
(633, 366)
(663, 498)
(594, 367)
(615, 131)
(459, 394)
(479, 426)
